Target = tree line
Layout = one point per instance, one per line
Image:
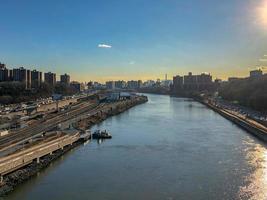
(15, 92)
(250, 92)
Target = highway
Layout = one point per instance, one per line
(43, 126)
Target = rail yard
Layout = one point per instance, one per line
(53, 134)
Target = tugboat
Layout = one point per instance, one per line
(101, 135)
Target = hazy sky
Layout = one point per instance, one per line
(134, 39)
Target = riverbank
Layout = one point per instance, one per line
(23, 174)
(253, 127)
(11, 180)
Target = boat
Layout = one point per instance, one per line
(85, 135)
(101, 135)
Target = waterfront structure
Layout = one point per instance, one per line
(255, 73)
(110, 85)
(65, 79)
(22, 75)
(36, 78)
(50, 78)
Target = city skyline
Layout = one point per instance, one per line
(134, 39)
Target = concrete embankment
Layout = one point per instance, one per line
(108, 111)
(251, 126)
(18, 176)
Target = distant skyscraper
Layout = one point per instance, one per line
(50, 78)
(65, 79)
(22, 75)
(36, 78)
(5, 74)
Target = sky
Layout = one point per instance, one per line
(134, 39)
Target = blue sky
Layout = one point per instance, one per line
(148, 38)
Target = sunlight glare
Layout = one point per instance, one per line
(262, 14)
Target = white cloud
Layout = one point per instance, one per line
(104, 46)
(263, 60)
(131, 62)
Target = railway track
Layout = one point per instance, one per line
(47, 125)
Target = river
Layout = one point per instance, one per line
(169, 148)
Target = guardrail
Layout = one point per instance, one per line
(23, 158)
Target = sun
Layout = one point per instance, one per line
(262, 14)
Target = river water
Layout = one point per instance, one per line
(168, 148)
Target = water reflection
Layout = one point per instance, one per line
(255, 184)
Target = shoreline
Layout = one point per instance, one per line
(17, 177)
(254, 129)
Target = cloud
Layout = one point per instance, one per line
(104, 46)
(263, 60)
(131, 62)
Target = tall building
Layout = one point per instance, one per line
(65, 79)
(36, 78)
(255, 73)
(110, 85)
(50, 78)
(204, 81)
(22, 75)
(5, 74)
(178, 82)
(2, 66)
(190, 82)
